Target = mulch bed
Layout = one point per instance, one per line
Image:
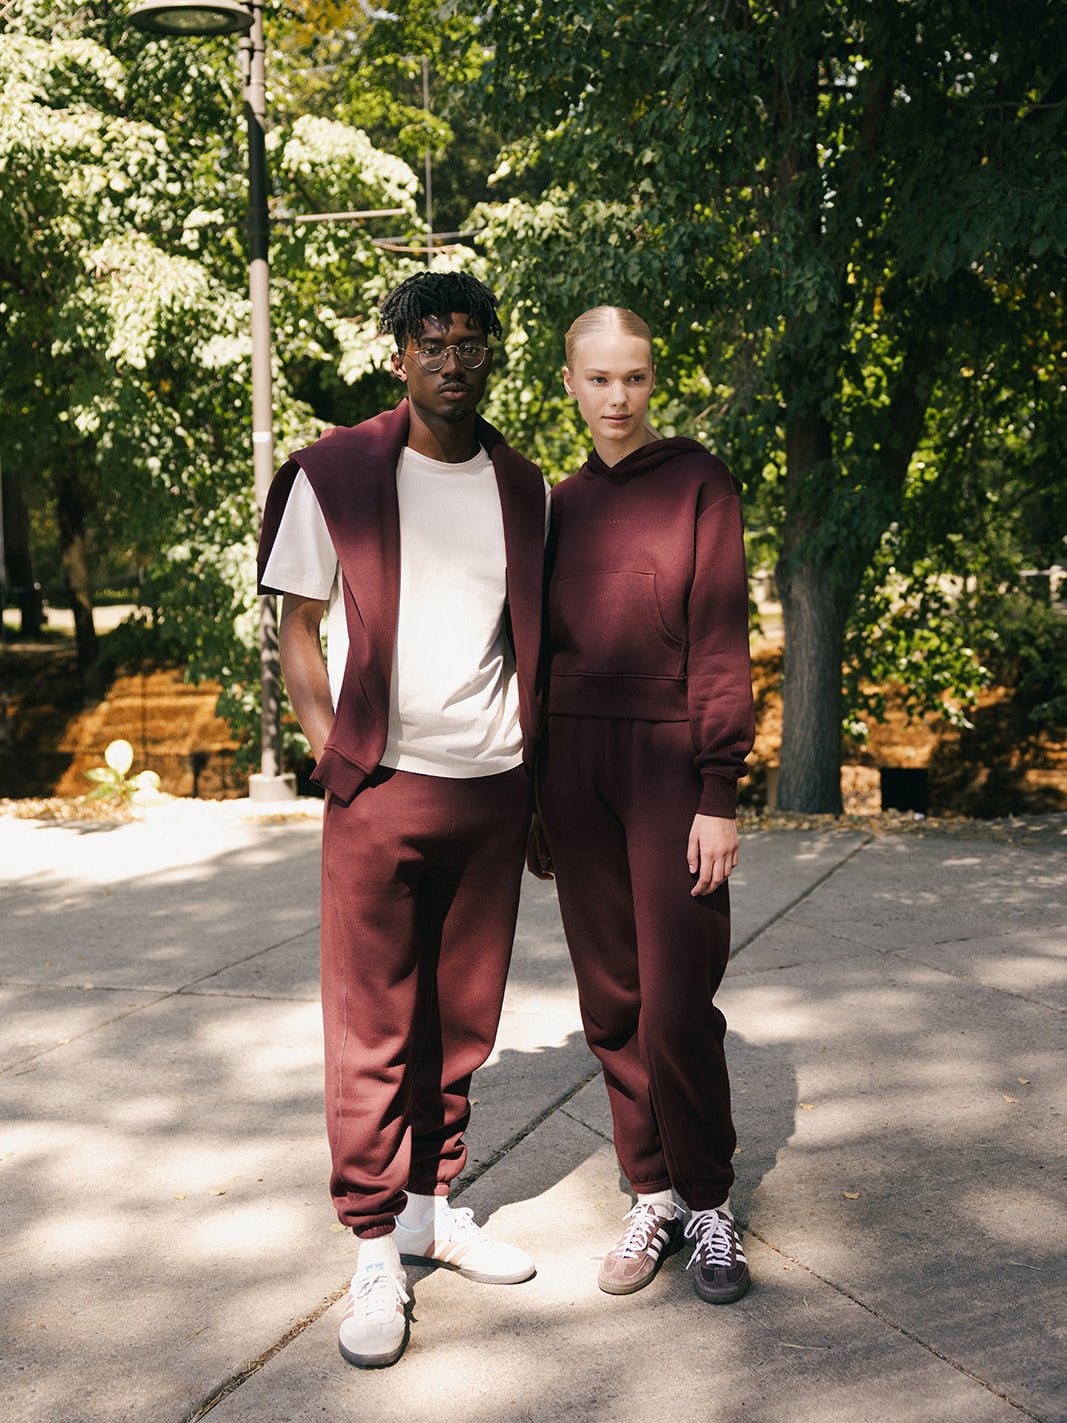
(1010, 830)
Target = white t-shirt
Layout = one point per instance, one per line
(454, 697)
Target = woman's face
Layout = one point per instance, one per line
(611, 379)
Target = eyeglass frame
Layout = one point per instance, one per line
(417, 352)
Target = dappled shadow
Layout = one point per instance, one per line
(165, 1166)
(167, 1220)
(916, 1177)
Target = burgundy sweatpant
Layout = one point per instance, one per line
(420, 891)
(618, 800)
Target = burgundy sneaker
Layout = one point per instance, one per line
(646, 1242)
(720, 1271)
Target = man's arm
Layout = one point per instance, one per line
(304, 668)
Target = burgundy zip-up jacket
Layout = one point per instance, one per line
(353, 475)
(648, 603)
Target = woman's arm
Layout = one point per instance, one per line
(720, 689)
(719, 672)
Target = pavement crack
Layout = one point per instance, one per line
(911, 957)
(186, 990)
(85, 1033)
(893, 1324)
(604, 1136)
(246, 997)
(477, 1172)
(805, 894)
(247, 958)
(234, 1382)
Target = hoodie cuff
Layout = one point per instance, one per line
(341, 777)
(719, 797)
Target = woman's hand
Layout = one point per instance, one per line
(538, 858)
(712, 852)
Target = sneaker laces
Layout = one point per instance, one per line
(715, 1236)
(459, 1224)
(378, 1291)
(644, 1220)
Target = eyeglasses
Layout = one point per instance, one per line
(432, 355)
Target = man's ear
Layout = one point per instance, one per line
(396, 365)
(567, 383)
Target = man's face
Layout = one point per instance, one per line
(454, 392)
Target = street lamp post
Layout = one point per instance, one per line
(221, 17)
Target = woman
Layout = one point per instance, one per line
(649, 722)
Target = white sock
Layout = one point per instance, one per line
(419, 1213)
(663, 1202)
(378, 1250)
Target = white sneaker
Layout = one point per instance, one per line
(454, 1240)
(374, 1328)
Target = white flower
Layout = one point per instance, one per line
(119, 756)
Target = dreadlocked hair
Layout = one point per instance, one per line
(404, 309)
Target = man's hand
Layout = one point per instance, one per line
(538, 858)
(712, 852)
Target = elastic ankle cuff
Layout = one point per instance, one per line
(373, 1232)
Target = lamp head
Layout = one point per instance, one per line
(192, 17)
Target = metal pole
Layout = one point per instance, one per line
(428, 160)
(269, 784)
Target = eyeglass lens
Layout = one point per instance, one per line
(471, 355)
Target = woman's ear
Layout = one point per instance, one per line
(568, 385)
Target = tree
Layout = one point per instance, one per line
(126, 347)
(835, 211)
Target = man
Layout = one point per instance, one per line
(420, 534)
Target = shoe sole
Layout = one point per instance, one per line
(476, 1275)
(375, 1361)
(726, 1297)
(672, 1249)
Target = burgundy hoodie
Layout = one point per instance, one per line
(648, 603)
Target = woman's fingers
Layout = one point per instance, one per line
(712, 852)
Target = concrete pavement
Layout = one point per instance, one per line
(896, 1031)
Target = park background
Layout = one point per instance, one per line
(845, 223)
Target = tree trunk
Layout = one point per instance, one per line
(814, 620)
(18, 556)
(70, 516)
(817, 589)
(814, 607)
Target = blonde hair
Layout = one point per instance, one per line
(605, 318)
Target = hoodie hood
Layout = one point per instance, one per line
(641, 461)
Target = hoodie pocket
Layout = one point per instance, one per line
(610, 625)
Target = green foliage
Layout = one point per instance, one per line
(910, 633)
(125, 338)
(1028, 649)
(846, 223)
